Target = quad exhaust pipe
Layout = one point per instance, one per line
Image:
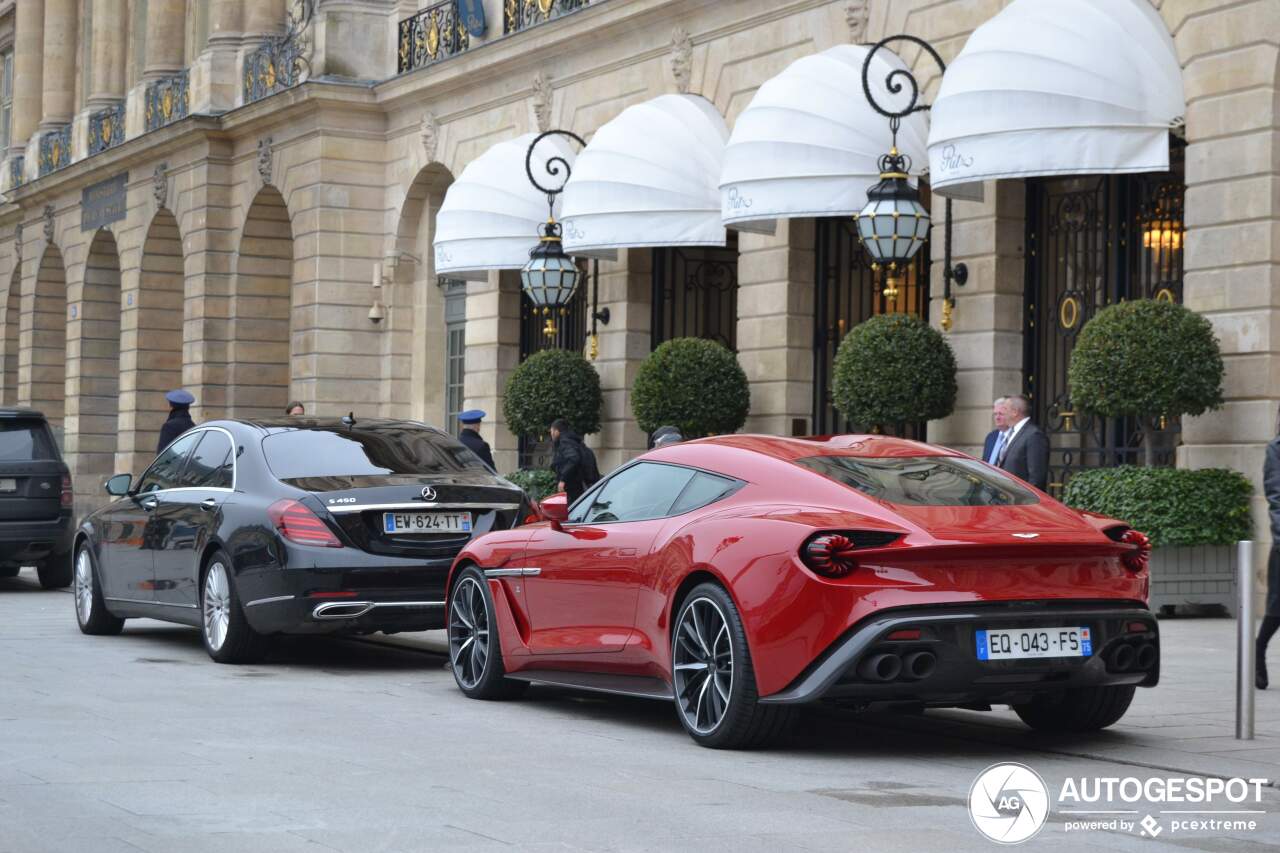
(887, 666)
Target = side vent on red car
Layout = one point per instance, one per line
(1137, 559)
(834, 555)
(299, 524)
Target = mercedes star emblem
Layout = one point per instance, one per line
(428, 493)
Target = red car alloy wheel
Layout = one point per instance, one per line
(468, 632)
(702, 664)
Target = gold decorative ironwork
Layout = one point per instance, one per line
(1164, 294)
(55, 149)
(281, 61)
(522, 15)
(167, 100)
(433, 34)
(1069, 312)
(1068, 420)
(946, 314)
(106, 128)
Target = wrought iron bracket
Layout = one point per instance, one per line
(553, 167)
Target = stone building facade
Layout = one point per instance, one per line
(189, 203)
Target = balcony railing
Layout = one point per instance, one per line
(521, 14)
(55, 149)
(106, 128)
(168, 100)
(281, 60)
(431, 35)
(16, 168)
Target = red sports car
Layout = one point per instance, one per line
(743, 575)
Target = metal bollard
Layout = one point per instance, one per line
(1244, 640)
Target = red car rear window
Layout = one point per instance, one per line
(922, 480)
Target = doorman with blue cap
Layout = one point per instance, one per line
(470, 436)
(179, 417)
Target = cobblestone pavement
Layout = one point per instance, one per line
(139, 742)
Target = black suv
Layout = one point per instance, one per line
(36, 524)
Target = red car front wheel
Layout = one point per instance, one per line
(715, 685)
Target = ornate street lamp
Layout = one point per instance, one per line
(894, 225)
(550, 277)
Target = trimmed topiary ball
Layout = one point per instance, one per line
(1146, 358)
(891, 370)
(554, 383)
(694, 384)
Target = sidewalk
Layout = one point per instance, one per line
(1185, 725)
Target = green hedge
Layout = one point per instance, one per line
(536, 482)
(694, 384)
(1170, 505)
(554, 383)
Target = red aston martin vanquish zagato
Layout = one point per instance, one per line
(742, 575)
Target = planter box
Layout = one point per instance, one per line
(1202, 575)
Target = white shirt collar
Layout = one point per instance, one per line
(1013, 430)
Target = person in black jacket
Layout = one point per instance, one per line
(470, 436)
(1026, 451)
(179, 418)
(1271, 617)
(569, 460)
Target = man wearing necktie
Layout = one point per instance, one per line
(997, 438)
(1024, 453)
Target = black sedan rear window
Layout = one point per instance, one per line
(25, 440)
(304, 453)
(923, 480)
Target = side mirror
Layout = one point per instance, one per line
(119, 485)
(555, 508)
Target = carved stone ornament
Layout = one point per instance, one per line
(682, 59)
(48, 222)
(160, 184)
(264, 159)
(857, 13)
(542, 101)
(430, 135)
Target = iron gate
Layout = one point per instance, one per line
(695, 293)
(1093, 241)
(847, 293)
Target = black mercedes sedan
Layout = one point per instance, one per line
(247, 529)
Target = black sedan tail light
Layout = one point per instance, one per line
(299, 524)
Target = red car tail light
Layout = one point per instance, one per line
(830, 554)
(1137, 559)
(905, 634)
(299, 524)
(68, 496)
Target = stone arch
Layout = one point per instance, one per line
(151, 342)
(417, 333)
(42, 336)
(93, 363)
(13, 307)
(258, 356)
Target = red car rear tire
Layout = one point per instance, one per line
(1083, 709)
(713, 677)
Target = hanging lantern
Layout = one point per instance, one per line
(550, 277)
(894, 224)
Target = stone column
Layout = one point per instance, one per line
(264, 16)
(110, 25)
(626, 289)
(493, 352)
(166, 30)
(226, 22)
(61, 20)
(28, 66)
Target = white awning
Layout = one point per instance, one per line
(809, 144)
(648, 178)
(490, 215)
(1057, 87)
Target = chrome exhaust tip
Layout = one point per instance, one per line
(1122, 659)
(341, 609)
(1147, 656)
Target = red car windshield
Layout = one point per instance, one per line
(923, 480)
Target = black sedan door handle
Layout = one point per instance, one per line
(150, 504)
(208, 503)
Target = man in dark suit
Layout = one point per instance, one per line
(1026, 451)
(994, 442)
(470, 436)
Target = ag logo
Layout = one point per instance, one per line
(1008, 803)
